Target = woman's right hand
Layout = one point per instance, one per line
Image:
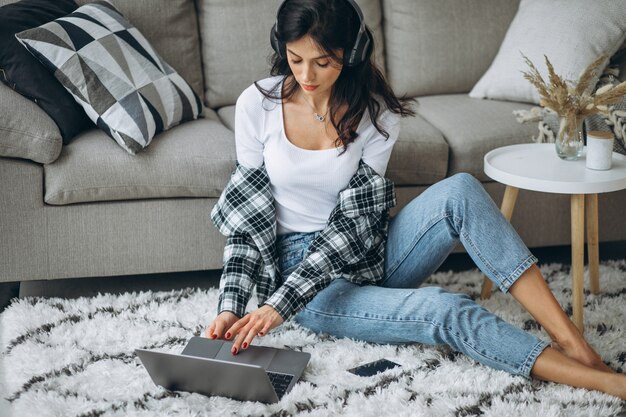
(222, 322)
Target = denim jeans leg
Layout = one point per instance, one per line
(420, 237)
(429, 315)
(453, 210)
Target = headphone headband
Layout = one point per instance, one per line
(357, 54)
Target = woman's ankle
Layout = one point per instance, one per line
(568, 335)
(582, 352)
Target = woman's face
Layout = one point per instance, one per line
(314, 70)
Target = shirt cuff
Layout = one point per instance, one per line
(230, 302)
(285, 301)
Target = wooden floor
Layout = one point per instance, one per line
(78, 287)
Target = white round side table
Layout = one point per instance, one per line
(536, 167)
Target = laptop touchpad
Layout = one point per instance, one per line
(254, 355)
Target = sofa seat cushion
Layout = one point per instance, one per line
(191, 160)
(473, 127)
(419, 157)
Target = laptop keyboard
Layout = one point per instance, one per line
(280, 382)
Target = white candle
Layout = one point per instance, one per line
(599, 150)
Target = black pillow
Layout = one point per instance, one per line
(25, 74)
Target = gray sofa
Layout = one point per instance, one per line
(89, 209)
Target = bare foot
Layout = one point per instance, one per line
(582, 352)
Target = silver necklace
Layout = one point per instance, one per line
(319, 117)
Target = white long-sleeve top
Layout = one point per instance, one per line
(305, 183)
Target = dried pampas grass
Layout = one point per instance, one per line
(573, 103)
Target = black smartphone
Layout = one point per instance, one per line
(372, 368)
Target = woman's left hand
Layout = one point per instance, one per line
(258, 322)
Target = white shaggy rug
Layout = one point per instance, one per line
(75, 358)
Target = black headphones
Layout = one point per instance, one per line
(359, 51)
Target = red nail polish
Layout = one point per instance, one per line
(227, 335)
(261, 334)
(234, 351)
(245, 345)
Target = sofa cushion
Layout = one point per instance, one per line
(25, 74)
(442, 47)
(472, 127)
(114, 73)
(26, 131)
(419, 157)
(227, 116)
(192, 160)
(571, 33)
(235, 38)
(171, 27)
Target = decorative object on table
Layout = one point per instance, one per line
(573, 102)
(599, 150)
(613, 121)
(111, 69)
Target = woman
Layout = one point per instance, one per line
(305, 215)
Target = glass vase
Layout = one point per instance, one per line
(569, 146)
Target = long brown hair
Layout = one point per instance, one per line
(333, 25)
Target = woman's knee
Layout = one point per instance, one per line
(465, 193)
(465, 183)
(458, 187)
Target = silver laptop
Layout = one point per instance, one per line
(207, 367)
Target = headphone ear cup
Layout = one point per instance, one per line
(276, 44)
(361, 50)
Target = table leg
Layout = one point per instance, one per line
(578, 257)
(593, 252)
(508, 204)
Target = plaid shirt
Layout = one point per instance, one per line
(351, 246)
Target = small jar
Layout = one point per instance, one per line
(599, 150)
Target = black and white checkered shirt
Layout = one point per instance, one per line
(351, 246)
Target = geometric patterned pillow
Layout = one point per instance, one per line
(111, 70)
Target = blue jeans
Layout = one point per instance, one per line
(421, 236)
